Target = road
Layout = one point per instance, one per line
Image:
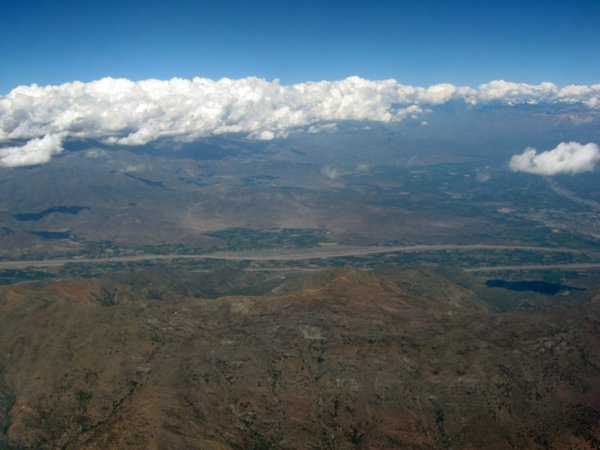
(282, 254)
(574, 266)
(338, 251)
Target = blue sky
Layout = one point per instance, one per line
(419, 43)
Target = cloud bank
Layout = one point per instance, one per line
(124, 112)
(567, 157)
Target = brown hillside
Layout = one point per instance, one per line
(341, 359)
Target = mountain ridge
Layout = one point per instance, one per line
(337, 359)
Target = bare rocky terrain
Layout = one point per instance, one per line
(392, 358)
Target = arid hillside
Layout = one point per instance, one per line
(333, 359)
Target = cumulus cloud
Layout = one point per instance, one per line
(124, 112)
(36, 151)
(567, 157)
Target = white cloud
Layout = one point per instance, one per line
(567, 157)
(512, 93)
(588, 95)
(330, 172)
(96, 153)
(322, 128)
(36, 151)
(442, 93)
(124, 112)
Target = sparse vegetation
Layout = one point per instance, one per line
(240, 370)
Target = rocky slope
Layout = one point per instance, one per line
(336, 359)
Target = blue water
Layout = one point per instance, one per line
(52, 234)
(34, 217)
(541, 287)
